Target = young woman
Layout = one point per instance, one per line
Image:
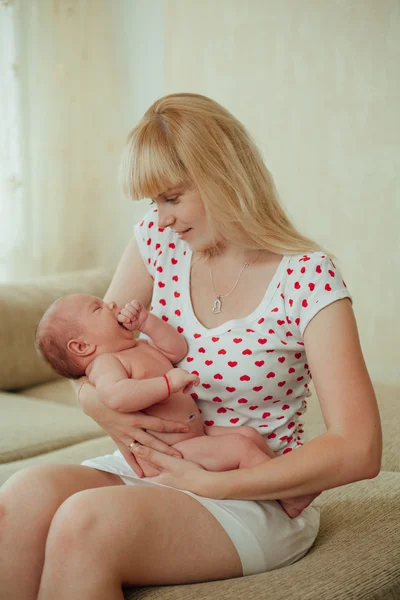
(262, 308)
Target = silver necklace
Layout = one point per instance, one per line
(217, 307)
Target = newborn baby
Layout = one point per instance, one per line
(80, 334)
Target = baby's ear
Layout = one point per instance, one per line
(81, 348)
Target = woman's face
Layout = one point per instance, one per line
(182, 209)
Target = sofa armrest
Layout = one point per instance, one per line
(21, 307)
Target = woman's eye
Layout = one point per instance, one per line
(171, 199)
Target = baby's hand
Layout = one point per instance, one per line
(180, 379)
(133, 316)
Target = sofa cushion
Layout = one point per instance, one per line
(32, 427)
(59, 391)
(74, 454)
(356, 555)
(21, 307)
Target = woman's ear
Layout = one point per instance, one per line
(80, 348)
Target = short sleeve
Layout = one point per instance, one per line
(150, 239)
(313, 282)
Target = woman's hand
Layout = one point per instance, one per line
(126, 428)
(176, 472)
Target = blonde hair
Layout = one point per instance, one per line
(192, 140)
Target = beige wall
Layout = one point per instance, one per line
(317, 84)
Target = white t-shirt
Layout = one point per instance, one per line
(253, 371)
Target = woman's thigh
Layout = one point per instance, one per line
(146, 535)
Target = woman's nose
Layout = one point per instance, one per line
(164, 220)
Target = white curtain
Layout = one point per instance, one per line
(66, 107)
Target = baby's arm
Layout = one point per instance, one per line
(164, 337)
(118, 391)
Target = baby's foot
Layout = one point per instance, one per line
(294, 506)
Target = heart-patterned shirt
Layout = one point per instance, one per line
(253, 371)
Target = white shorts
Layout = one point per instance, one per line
(262, 533)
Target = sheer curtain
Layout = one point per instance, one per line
(68, 85)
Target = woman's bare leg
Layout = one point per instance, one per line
(28, 502)
(138, 535)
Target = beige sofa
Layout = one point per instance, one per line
(357, 553)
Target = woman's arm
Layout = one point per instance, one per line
(131, 280)
(351, 448)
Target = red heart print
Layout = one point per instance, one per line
(271, 331)
(174, 261)
(151, 224)
(218, 376)
(328, 287)
(247, 351)
(291, 424)
(280, 322)
(231, 389)
(178, 313)
(286, 450)
(261, 320)
(262, 341)
(195, 372)
(283, 438)
(149, 241)
(318, 269)
(234, 420)
(270, 374)
(175, 278)
(242, 401)
(176, 294)
(245, 378)
(221, 410)
(253, 407)
(161, 284)
(275, 309)
(208, 423)
(279, 418)
(222, 351)
(289, 271)
(158, 246)
(331, 273)
(291, 370)
(285, 407)
(209, 362)
(163, 302)
(297, 285)
(272, 436)
(206, 385)
(289, 392)
(311, 286)
(288, 334)
(232, 363)
(259, 363)
(194, 396)
(164, 318)
(237, 340)
(250, 330)
(281, 359)
(171, 245)
(299, 378)
(290, 302)
(263, 425)
(215, 339)
(302, 270)
(196, 335)
(281, 383)
(180, 329)
(298, 355)
(304, 303)
(268, 398)
(257, 388)
(217, 399)
(160, 269)
(288, 320)
(266, 415)
(202, 350)
(189, 358)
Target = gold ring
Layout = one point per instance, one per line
(132, 444)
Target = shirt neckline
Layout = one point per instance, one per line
(258, 311)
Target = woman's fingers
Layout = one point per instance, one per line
(130, 458)
(156, 424)
(149, 441)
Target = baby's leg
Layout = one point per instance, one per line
(244, 456)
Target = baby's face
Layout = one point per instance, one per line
(99, 322)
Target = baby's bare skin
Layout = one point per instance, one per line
(240, 447)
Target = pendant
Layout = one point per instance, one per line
(217, 305)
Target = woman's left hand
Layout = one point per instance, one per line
(176, 472)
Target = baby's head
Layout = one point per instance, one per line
(77, 328)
